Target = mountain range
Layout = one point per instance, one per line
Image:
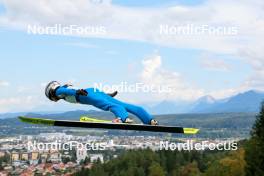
(248, 101)
(243, 102)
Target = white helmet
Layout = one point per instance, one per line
(50, 90)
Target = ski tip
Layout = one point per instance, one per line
(22, 118)
(190, 130)
(36, 120)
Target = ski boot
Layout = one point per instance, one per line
(154, 122)
(118, 120)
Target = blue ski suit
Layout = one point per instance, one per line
(103, 101)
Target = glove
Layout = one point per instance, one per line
(113, 94)
(82, 92)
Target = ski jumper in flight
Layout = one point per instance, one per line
(91, 96)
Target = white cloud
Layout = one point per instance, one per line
(213, 63)
(225, 93)
(254, 81)
(24, 89)
(143, 25)
(146, 22)
(154, 74)
(43, 84)
(150, 66)
(4, 83)
(16, 103)
(82, 45)
(254, 57)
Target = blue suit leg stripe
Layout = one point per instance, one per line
(119, 111)
(139, 112)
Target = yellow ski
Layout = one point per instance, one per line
(90, 119)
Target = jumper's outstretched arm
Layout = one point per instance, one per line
(63, 90)
(70, 92)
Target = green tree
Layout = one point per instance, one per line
(254, 150)
(140, 171)
(72, 153)
(231, 165)
(82, 172)
(98, 170)
(156, 170)
(190, 169)
(39, 161)
(65, 159)
(87, 160)
(4, 159)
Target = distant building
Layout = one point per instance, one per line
(33, 162)
(2, 153)
(17, 163)
(34, 156)
(81, 154)
(95, 157)
(8, 168)
(34, 159)
(55, 157)
(14, 156)
(24, 156)
(44, 157)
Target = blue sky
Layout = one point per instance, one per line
(29, 61)
(42, 58)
